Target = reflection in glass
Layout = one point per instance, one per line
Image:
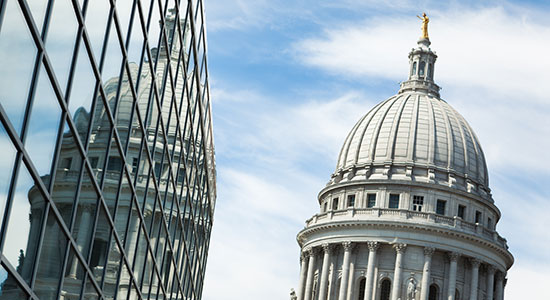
(129, 215)
(17, 55)
(43, 125)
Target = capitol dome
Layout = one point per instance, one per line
(408, 213)
(415, 136)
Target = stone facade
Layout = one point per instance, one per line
(408, 213)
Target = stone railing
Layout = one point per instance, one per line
(407, 216)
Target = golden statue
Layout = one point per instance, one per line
(425, 21)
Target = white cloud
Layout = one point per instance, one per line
(489, 59)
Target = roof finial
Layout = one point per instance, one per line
(425, 21)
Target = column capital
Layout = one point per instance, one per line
(348, 246)
(400, 248)
(453, 256)
(373, 246)
(327, 248)
(475, 262)
(429, 251)
(491, 269)
(310, 251)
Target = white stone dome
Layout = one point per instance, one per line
(415, 136)
(415, 129)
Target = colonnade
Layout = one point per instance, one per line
(494, 280)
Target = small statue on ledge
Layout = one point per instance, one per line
(293, 295)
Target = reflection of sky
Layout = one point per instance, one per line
(289, 80)
(17, 55)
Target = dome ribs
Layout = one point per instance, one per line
(376, 110)
(412, 133)
(431, 133)
(421, 139)
(397, 122)
(450, 136)
(374, 140)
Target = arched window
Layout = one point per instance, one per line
(361, 295)
(430, 71)
(421, 69)
(414, 69)
(457, 295)
(385, 289)
(433, 295)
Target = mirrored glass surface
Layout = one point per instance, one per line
(17, 56)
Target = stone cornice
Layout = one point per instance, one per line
(306, 232)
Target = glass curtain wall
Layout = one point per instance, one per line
(107, 171)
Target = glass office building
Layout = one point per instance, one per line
(107, 171)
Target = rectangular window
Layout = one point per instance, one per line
(394, 201)
(489, 223)
(461, 211)
(134, 165)
(93, 162)
(418, 202)
(371, 200)
(158, 169)
(478, 216)
(114, 164)
(335, 204)
(351, 200)
(440, 207)
(66, 163)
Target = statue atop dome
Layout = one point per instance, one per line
(425, 21)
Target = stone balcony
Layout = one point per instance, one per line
(408, 217)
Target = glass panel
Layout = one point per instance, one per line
(60, 40)
(125, 110)
(6, 167)
(124, 283)
(82, 92)
(24, 224)
(100, 245)
(52, 255)
(66, 177)
(74, 276)
(87, 206)
(90, 292)
(43, 125)
(112, 178)
(131, 239)
(17, 55)
(113, 267)
(111, 68)
(124, 10)
(38, 10)
(9, 288)
(123, 207)
(97, 24)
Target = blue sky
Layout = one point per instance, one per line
(290, 78)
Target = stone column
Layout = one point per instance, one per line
(499, 288)
(426, 273)
(304, 258)
(373, 247)
(324, 272)
(490, 281)
(397, 273)
(475, 278)
(453, 257)
(351, 273)
(345, 270)
(310, 273)
(82, 237)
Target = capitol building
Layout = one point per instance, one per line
(408, 212)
